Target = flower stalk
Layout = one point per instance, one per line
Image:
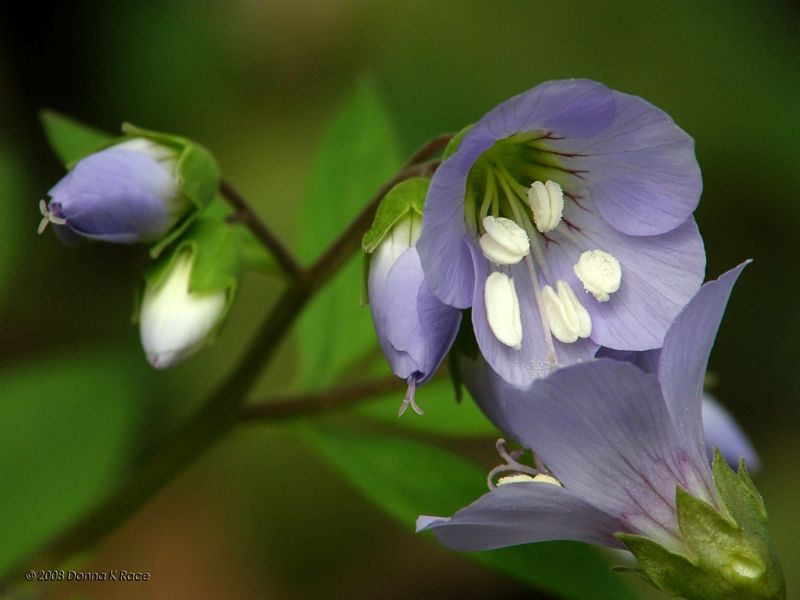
(223, 408)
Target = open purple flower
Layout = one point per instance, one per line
(564, 219)
(126, 193)
(626, 466)
(415, 329)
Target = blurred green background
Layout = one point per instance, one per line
(265, 514)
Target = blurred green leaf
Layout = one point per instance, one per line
(357, 154)
(69, 426)
(443, 415)
(407, 478)
(70, 139)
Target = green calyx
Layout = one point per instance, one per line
(499, 180)
(407, 197)
(219, 253)
(404, 199)
(196, 173)
(729, 554)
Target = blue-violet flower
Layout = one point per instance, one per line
(127, 193)
(415, 329)
(564, 219)
(621, 462)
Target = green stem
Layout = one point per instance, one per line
(222, 410)
(285, 259)
(304, 405)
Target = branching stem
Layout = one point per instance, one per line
(224, 409)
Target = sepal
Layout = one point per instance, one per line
(727, 551)
(406, 197)
(196, 173)
(455, 142)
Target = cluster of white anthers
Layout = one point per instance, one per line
(506, 242)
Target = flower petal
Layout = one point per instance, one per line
(117, 195)
(442, 244)
(640, 170)
(520, 367)
(414, 328)
(521, 513)
(723, 432)
(569, 108)
(488, 389)
(684, 357)
(660, 274)
(576, 107)
(605, 432)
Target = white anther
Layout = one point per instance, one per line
(547, 204)
(566, 316)
(505, 242)
(502, 309)
(519, 478)
(549, 479)
(599, 273)
(522, 478)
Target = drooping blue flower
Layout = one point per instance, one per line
(126, 193)
(621, 462)
(415, 329)
(564, 219)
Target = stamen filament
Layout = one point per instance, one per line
(527, 223)
(488, 198)
(537, 292)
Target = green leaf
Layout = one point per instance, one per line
(70, 139)
(357, 154)
(69, 431)
(443, 415)
(406, 478)
(407, 196)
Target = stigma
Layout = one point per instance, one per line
(502, 309)
(566, 316)
(505, 242)
(600, 273)
(547, 204)
(48, 216)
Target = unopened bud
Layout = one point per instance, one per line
(174, 322)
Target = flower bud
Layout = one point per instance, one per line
(175, 322)
(145, 188)
(126, 193)
(414, 328)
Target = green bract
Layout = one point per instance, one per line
(729, 554)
